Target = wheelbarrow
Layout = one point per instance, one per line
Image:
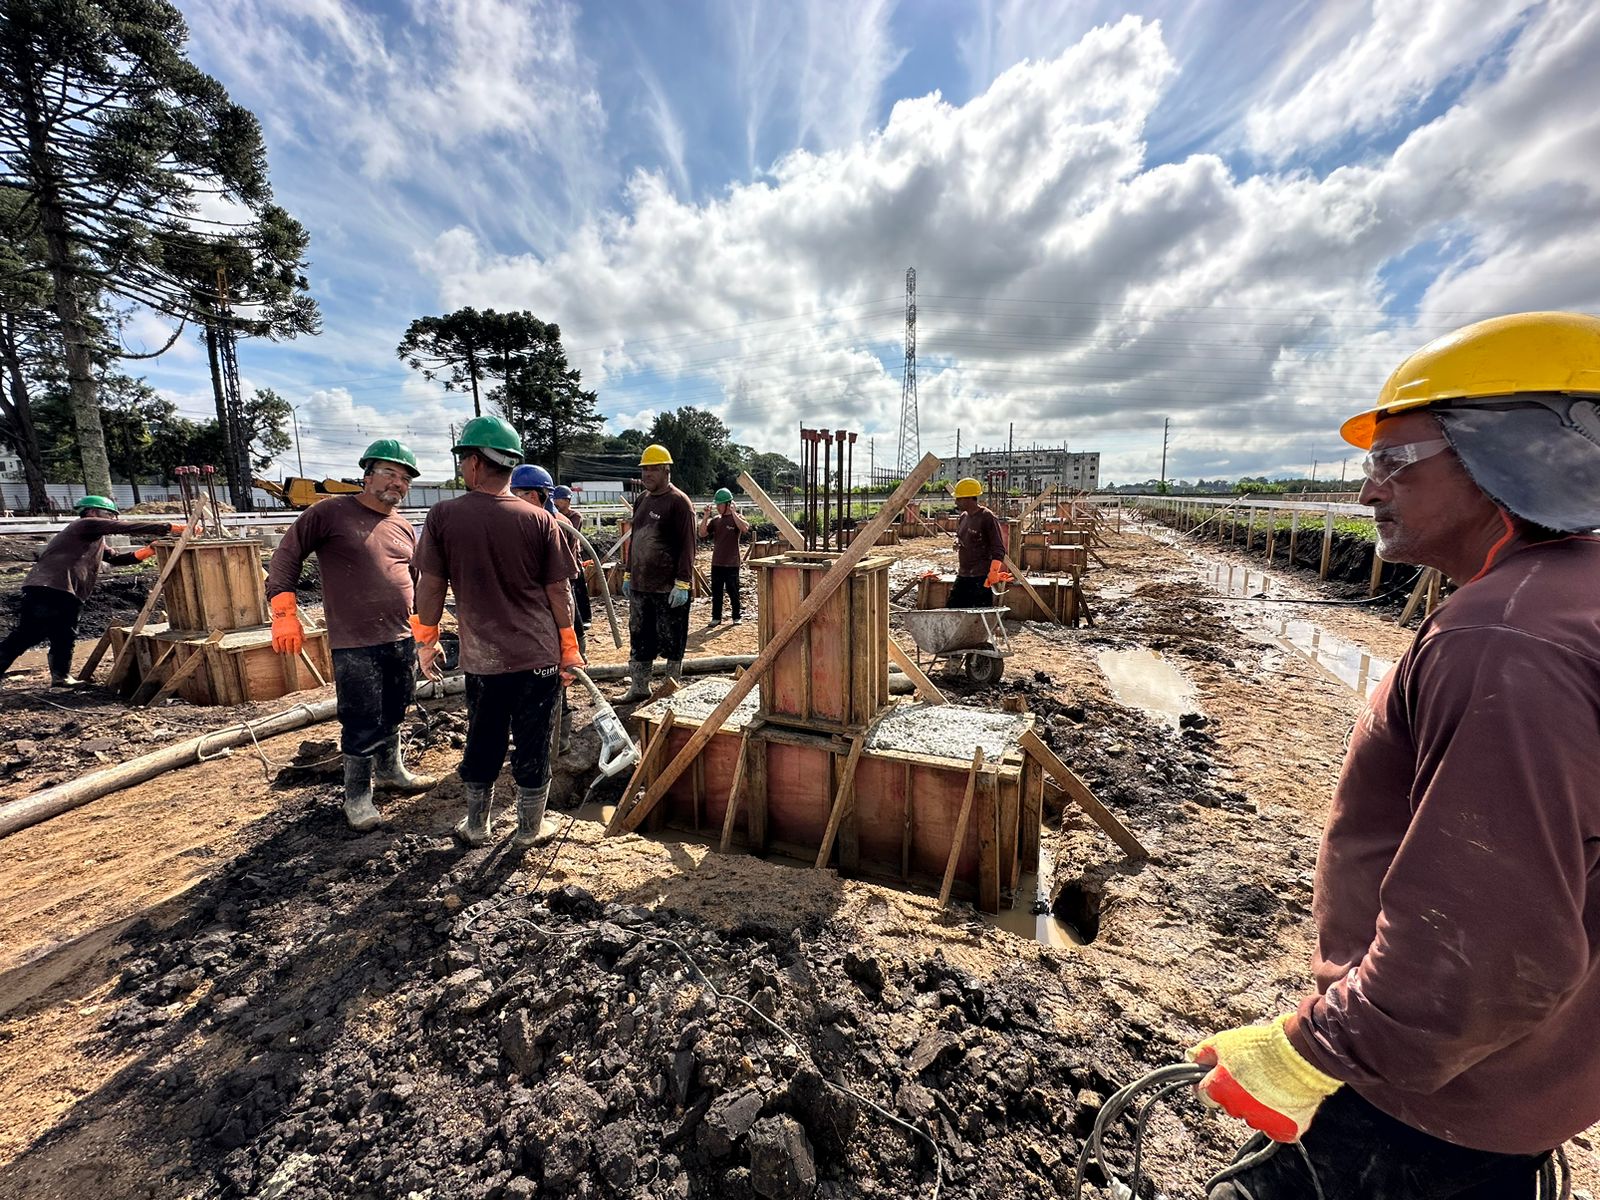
(963, 639)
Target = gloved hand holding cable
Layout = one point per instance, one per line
(1258, 1077)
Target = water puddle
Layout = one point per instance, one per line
(1030, 917)
(1345, 661)
(1239, 582)
(1145, 680)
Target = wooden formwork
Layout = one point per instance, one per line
(889, 537)
(1062, 597)
(900, 817)
(235, 667)
(216, 584)
(1054, 559)
(766, 547)
(834, 675)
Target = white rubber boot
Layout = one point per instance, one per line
(475, 828)
(359, 812)
(533, 827)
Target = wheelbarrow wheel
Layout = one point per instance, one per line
(984, 670)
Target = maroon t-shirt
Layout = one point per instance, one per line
(661, 550)
(1458, 886)
(364, 558)
(724, 532)
(498, 553)
(71, 560)
(978, 542)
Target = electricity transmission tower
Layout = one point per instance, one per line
(910, 439)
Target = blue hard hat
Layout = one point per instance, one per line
(562, 492)
(529, 475)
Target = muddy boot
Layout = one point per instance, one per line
(675, 670)
(391, 774)
(638, 682)
(533, 827)
(564, 738)
(359, 813)
(474, 829)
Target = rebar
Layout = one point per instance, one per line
(850, 474)
(839, 536)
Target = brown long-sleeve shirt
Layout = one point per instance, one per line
(661, 550)
(978, 542)
(498, 553)
(364, 557)
(1458, 886)
(71, 561)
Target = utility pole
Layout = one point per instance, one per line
(1313, 470)
(958, 452)
(297, 458)
(1166, 424)
(1011, 437)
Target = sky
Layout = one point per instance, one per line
(1232, 219)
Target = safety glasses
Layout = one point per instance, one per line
(1380, 466)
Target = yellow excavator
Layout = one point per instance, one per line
(303, 493)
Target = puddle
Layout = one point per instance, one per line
(1030, 917)
(1345, 661)
(1143, 679)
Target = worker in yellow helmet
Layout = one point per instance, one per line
(660, 573)
(980, 550)
(1449, 1046)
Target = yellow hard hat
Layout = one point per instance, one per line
(968, 487)
(655, 455)
(1503, 356)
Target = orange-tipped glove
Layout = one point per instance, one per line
(1258, 1076)
(178, 528)
(426, 635)
(288, 635)
(571, 656)
(144, 552)
(997, 573)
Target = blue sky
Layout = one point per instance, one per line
(1236, 216)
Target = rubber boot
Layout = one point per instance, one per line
(675, 670)
(359, 813)
(638, 682)
(65, 681)
(390, 769)
(533, 827)
(474, 829)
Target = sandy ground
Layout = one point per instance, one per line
(1213, 930)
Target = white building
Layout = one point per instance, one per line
(1028, 468)
(10, 467)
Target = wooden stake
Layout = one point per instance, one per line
(926, 691)
(959, 838)
(843, 800)
(733, 792)
(312, 667)
(1022, 581)
(1416, 596)
(646, 761)
(1079, 791)
(830, 583)
(1327, 543)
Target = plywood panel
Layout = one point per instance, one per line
(798, 793)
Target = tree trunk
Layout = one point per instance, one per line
(18, 411)
(216, 385)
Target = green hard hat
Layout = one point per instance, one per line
(492, 436)
(723, 496)
(390, 450)
(100, 502)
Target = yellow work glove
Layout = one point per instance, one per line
(426, 635)
(571, 656)
(1258, 1076)
(144, 552)
(288, 635)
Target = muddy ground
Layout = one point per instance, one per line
(209, 987)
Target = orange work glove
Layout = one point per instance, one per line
(1258, 1076)
(144, 552)
(178, 528)
(288, 635)
(427, 635)
(571, 656)
(997, 573)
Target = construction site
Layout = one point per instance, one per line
(884, 900)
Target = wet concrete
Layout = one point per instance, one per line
(696, 700)
(1143, 679)
(950, 731)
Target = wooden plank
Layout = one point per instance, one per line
(841, 799)
(825, 588)
(1022, 581)
(1415, 598)
(149, 676)
(1327, 543)
(120, 663)
(1079, 791)
(184, 670)
(906, 831)
(312, 667)
(1033, 505)
(764, 502)
(960, 837)
(926, 691)
(755, 820)
(1377, 572)
(733, 792)
(986, 812)
(658, 742)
